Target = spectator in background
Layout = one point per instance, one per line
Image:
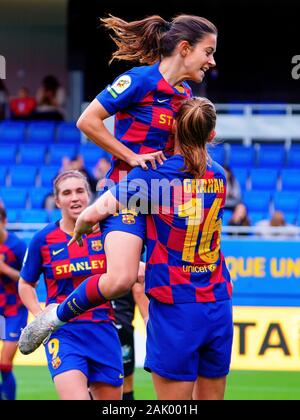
(277, 220)
(22, 107)
(240, 217)
(102, 167)
(49, 202)
(50, 100)
(233, 196)
(3, 100)
(77, 164)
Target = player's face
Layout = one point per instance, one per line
(73, 197)
(200, 58)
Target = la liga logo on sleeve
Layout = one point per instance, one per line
(120, 85)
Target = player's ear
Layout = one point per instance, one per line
(57, 203)
(212, 136)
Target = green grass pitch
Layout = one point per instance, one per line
(34, 383)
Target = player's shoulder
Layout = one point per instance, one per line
(217, 169)
(41, 235)
(148, 73)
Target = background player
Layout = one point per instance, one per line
(12, 251)
(124, 309)
(86, 353)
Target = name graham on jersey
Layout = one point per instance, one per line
(201, 186)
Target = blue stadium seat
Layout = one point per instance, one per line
(3, 172)
(242, 157)
(264, 179)
(257, 201)
(55, 215)
(218, 153)
(290, 179)
(272, 156)
(68, 133)
(12, 216)
(14, 198)
(41, 132)
(8, 154)
(287, 202)
(47, 174)
(258, 216)
(290, 217)
(227, 216)
(58, 151)
(242, 176)
(37, 196)
(33, 216)
(293, 160)
(23, 176)
(33, 154)
(12, 132)
(91, 154)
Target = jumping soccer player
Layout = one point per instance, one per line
(85, 355)
(190, 328)
(12, 251)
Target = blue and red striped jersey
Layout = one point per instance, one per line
(184, 259)
(145, 105)
(12, 253)
(64, 268)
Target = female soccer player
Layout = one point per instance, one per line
(144, 101)
(190, 329)
(12, 313)
(85, 355)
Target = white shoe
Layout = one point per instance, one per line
(34, 334)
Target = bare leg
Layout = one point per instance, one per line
(103, 391)
(167, 389)
(8, 352)
(209, 389)
(123, 253)
(72, 385)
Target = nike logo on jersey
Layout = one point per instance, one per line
(160, 101)
(57, 252)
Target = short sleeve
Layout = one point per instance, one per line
(32, 265)
(125, 90)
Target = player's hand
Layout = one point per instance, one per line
(153, 158)
(81, 229)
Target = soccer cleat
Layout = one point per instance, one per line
(39, 330)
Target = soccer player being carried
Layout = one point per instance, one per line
(13, 313)
(85, 355)
(190, 327)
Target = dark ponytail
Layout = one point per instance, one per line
(147, 40)
(195, 120)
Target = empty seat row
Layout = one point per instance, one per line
(20, 198)
(265, 156)
(33, 216)
(39, 154)
(268, 179)
(39, 132)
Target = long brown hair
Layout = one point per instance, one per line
(146, 40)
(195, 121)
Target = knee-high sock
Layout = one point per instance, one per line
(8, 382)
(85, 297)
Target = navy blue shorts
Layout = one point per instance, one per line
(126, 221)
(14, 324)
(188, 340)
(92, 348)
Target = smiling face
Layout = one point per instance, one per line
(199, 58)
(72, 198)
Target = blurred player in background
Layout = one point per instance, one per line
(124, 308)
(12, 251)
(85, 355)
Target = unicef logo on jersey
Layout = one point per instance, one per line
(2, 327)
